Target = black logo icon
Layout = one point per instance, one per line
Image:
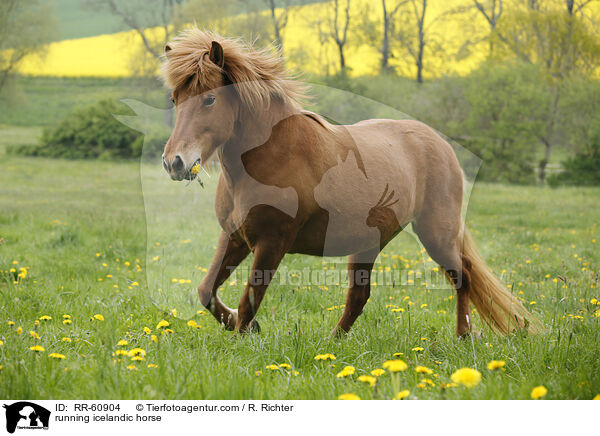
(26, 415)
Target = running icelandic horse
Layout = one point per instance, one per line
(293, 183)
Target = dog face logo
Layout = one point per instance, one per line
(26, 415)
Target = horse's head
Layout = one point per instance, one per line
(205, 111)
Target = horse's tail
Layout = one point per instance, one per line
(496, 305)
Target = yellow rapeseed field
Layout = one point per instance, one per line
(307, 43)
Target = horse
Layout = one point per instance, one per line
(292, 182)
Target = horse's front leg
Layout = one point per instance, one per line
(230, 253)
(268, 253)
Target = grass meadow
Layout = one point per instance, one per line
(92, 245)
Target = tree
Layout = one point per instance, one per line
(339, 23)
(509, 104)
(555, 37)
(388, 16)
(279, 19)
(492, 14)
(26, 27)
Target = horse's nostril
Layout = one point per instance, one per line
(177, 164)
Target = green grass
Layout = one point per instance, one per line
(73, 223)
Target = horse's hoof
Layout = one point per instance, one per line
(254, 327)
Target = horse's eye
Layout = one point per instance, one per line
(209, 101)
(172, 100)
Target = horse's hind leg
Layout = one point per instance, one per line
(360, 266)
(443, 245)
(230, 253)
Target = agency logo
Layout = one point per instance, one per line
(26, 415)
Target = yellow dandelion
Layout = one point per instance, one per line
(11, 323)
(154, 338)
(161, 324)
(152, 365)
(348, 370)
(597, 397)
(258, 373)
(378, 372)
(37, 348)
(98, 317)
(417, 349)
(45, 318)
(1, 343)
(285, 366)
(195, 168)
(34, 334)
(193, 324)
(147, 330)
(369, 379)
(395, 365)
(57, 356)
(65, 339)
(397, 354)
(67, 321)
(327, 356)
(121, 352)
(19, 330)
(136, 352)
(538, 392)
(350, 396)
(122, 343)
(468, 377)
(272, 367)
(132, 367)
(138, 357)
(402, 395)
(496, 364)
(423, 370)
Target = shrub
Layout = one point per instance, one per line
(583, 168)
(91, 132)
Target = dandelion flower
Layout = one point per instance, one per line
(423, 370)
(285, 365)
(258, 373)
(45, 318)
(98, 317)
(136, 352)
(138, 357)
(348, 370)
(377, 372)
(367, 379)
(597, 397)
(395, 365)
(65, 339)
(56, 355)
(152, 365)
(538, 392)
(132, 367)
(37, 348)
(154, 338)
(161, 324)
(121, 352)
(402, 395)
(468, 377)
(496, 364)
(193, 324)
(147, 330)
(122, 342)
(195, 168)
(272, 367)
(67, 321)
(349, 397)
(397, 354)
(19, 330)
(1, 343)
(327, 356)
(417, 349)
(34, 334)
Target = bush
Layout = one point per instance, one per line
(91, 132)
(509, 104)
(582, 169)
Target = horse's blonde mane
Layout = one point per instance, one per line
(259, 76)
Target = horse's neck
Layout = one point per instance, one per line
(252, 129)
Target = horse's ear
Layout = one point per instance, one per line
(216, 54)
(167, 48)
